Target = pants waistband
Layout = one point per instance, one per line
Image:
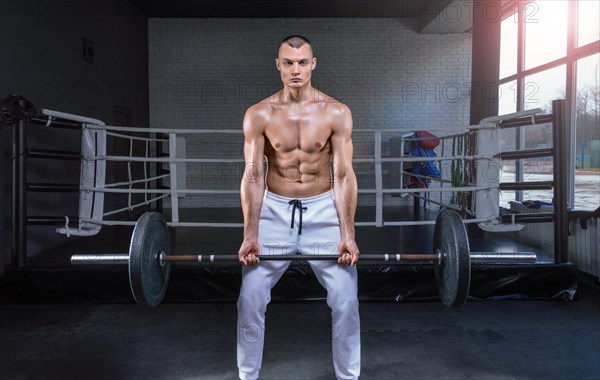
(305, 201)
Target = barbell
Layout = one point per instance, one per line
(150, 258)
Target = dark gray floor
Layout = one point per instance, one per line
(407, 340)
(483, 340)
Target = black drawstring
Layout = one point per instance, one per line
(297, 204)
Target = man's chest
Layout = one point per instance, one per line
(292, 131)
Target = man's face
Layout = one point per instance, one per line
(295, 65)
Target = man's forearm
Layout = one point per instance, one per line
(251, 198)
(346, 191)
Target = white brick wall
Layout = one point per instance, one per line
(204, 73)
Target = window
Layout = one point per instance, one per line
(507, 98)
(587, 142)
(538, 63)
(588, 16)
(543, 87)
(545, 31)
(509, 33)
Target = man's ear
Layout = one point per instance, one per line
(277, 64)
(314, 63)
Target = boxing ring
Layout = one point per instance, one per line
(163, 160)
(154, 166)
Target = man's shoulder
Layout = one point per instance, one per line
(259, 110)
(331, 103)
(336, 108)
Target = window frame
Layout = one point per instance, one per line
(517, 9)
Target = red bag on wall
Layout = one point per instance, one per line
(431, 141)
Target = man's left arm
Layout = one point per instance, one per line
(344, 183)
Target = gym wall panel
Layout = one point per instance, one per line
(204, 73)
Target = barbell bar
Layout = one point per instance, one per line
(477, 258)
(149, 259)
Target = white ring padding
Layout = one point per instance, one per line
(386, 257)
(199, 258)
(494, 120)
(99, 124)
(397, 257)
(83, 232)
(67, 229)
(500, 227)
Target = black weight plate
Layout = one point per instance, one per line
(453, 275)
(147, 278)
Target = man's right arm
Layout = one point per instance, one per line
(252, 187)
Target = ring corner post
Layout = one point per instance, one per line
(19, 191)
(561, 221)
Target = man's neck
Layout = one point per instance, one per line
(298, 95)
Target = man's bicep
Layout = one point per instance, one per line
(342, 147)
(254, 144)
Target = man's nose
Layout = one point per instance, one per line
(296, 69)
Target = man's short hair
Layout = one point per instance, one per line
(295, 41)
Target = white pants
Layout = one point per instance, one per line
(320, 234)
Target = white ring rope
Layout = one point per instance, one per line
(180, 131)
(235, 191)
(239, 225)
(127, 183)
(422, 159)
(238, 160)
(445, 137)
(431, 189)
(89, 123)
(191, 131)
(159, 191)
(489, 126)
(138, 138)
(162, 159)
(441, 180)
(146, 172)
(129, 176)
(128, 208)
